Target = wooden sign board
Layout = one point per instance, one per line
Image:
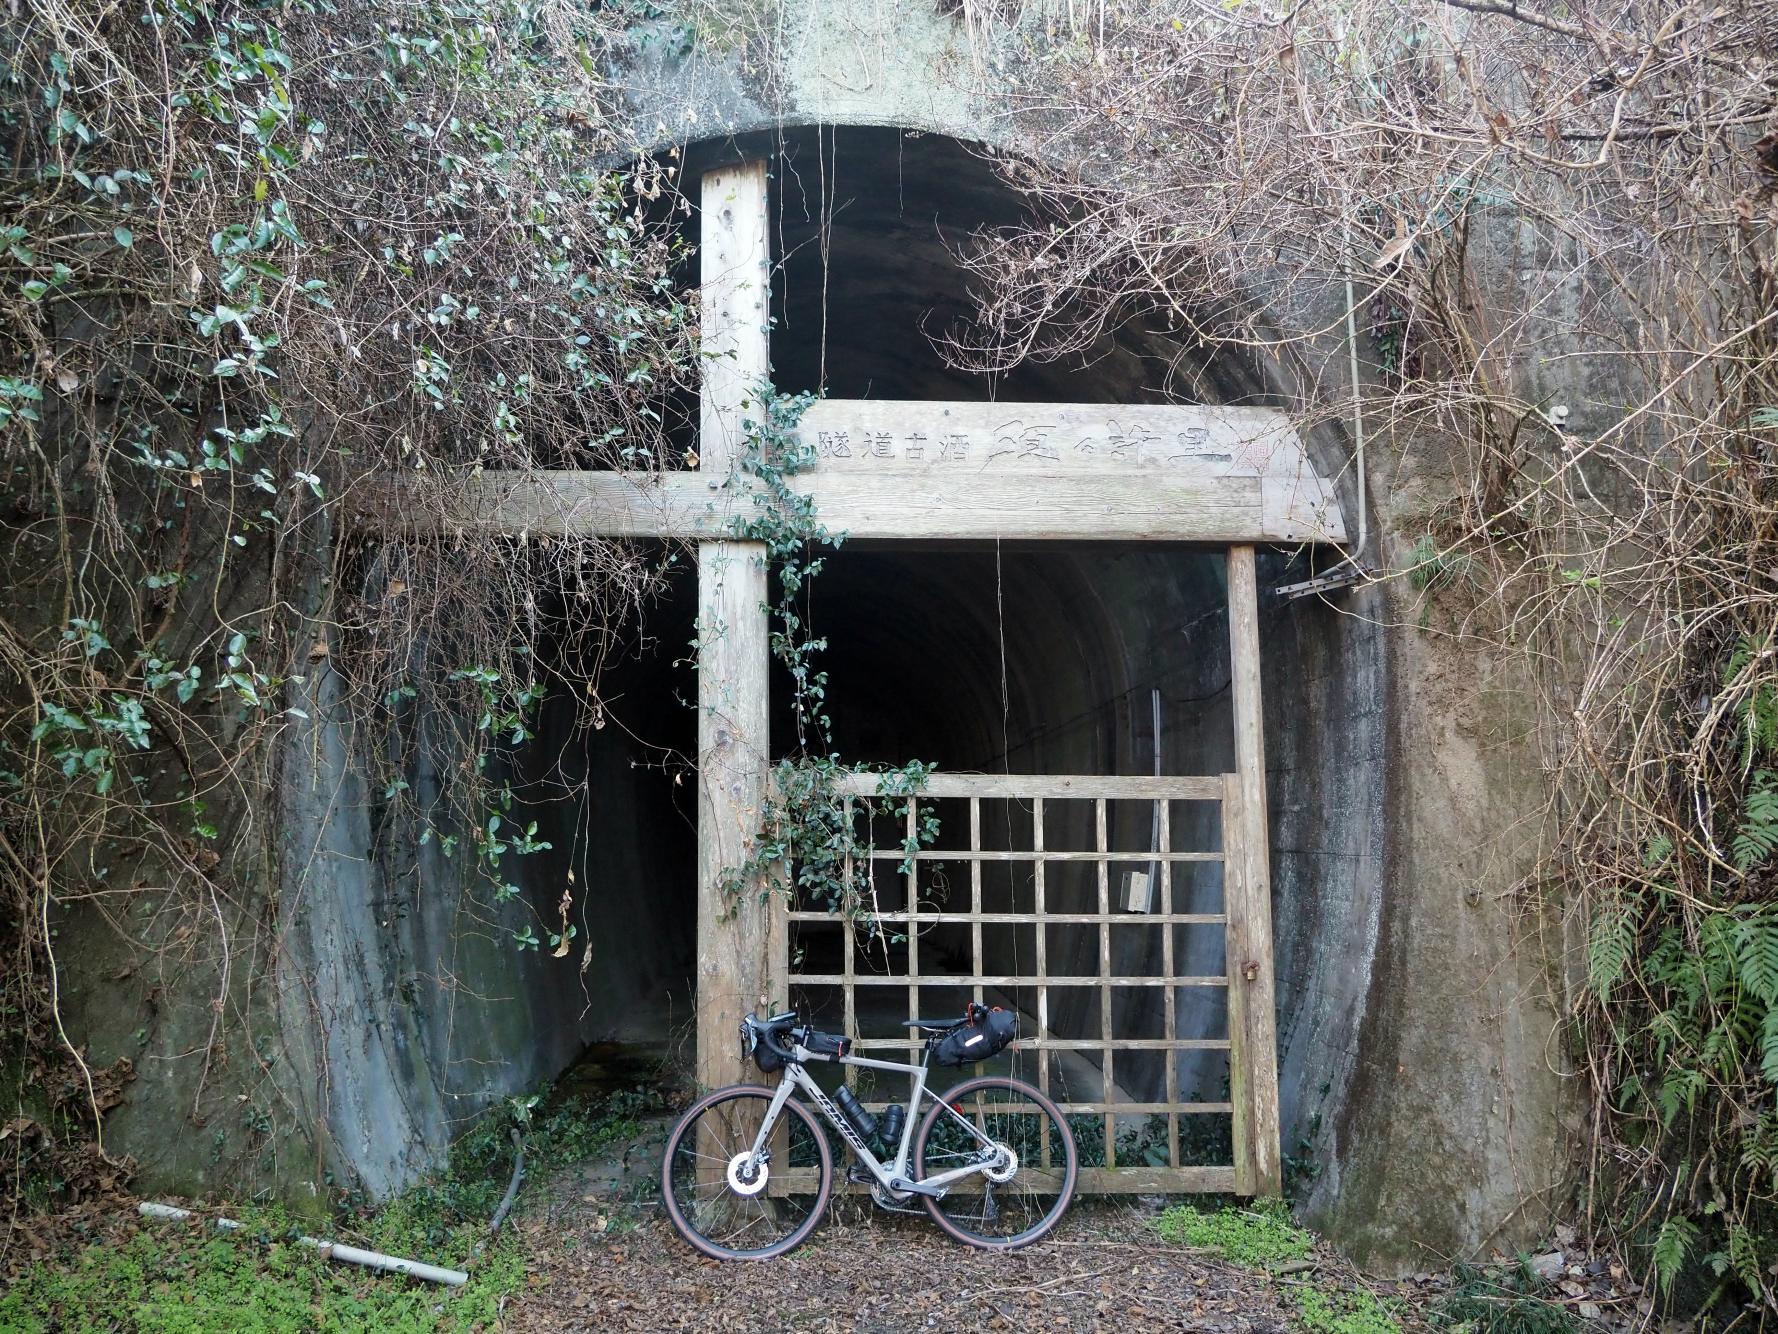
(919, 471)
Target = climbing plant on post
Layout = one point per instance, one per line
(810, 846)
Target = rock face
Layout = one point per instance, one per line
(1423, 1102)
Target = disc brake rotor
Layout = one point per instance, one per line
(747, 1174)
(1005, 1167)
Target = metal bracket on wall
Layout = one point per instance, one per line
(1345, 575)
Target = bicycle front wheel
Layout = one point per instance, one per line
(1021, 1143)
(730, 1206)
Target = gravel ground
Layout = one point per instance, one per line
(1102, 1269)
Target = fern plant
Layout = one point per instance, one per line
(1703, 981)
(1757, 711)
(1610, 945)
(1672, 1244)
(1758, 832)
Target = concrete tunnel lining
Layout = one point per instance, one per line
(916, 647)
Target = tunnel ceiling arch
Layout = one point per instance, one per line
(1143, 439)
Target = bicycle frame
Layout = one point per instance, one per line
(893, 1176)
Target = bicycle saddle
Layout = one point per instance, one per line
(932, 1025)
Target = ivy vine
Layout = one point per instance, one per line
(811, 848)
(255, 256)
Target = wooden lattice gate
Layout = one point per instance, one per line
(1114, 914)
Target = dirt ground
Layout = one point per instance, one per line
(1102, 1269)
(602, 1256)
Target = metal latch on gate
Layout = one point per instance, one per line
(1250, 971)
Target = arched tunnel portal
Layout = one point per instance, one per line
(1088, 659)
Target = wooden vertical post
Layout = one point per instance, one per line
(1234, 900)
(1247, 891)
(742, 955)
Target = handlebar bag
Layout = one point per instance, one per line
(968, 1043)
(760, 1045)
(827, 1044)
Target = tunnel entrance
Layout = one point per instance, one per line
(1103, 693)
(1094, 907)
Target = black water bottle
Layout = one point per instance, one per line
(862, 1121)
(890, 1125)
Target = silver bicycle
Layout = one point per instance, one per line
(748, 1170)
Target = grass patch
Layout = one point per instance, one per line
(1501, 1301)
(1261, 1236)
(558, 1130)
(185, 1279)
(1344, 1311)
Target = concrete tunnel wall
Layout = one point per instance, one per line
(917, 639)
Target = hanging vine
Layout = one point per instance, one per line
(810, 848)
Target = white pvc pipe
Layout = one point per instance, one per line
(331, 1250)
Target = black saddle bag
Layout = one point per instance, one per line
(972, 1042)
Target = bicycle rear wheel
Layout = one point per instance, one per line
(1022, 1140)
(734, 1209)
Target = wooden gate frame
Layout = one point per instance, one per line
(1211, 476)
(1245, 918)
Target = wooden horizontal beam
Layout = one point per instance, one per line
(865, 434)
(1156, 1180)
(1054, 787)
(1065, 1044)
(1088, 1180)
(1173, 446)
(911, 471)
(943, 918)
(954, 855)
(907, 504)
(995, 980)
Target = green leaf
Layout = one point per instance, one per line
(123, 236)
(1609, 946)
(1768, 1046)
(1758, 833)
(1671, 1245)
(1756, 951)
(1743, 1255)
